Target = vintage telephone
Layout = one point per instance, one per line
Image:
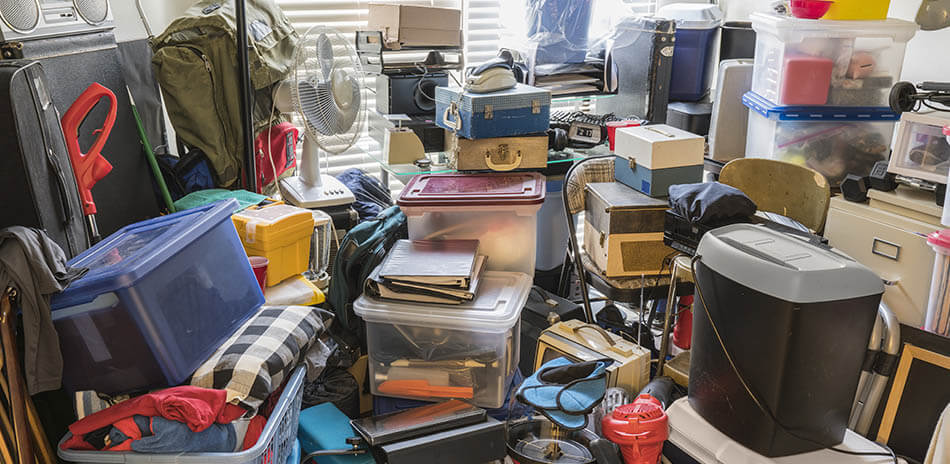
(493, 75)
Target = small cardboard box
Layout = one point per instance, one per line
(416, 26)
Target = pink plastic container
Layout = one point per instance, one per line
(807, 80)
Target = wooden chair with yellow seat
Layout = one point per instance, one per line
(796, 192)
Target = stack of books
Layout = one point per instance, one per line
(429, 271)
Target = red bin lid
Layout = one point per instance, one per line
(489, 189)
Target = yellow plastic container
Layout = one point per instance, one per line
(852, 10)
(280, 233)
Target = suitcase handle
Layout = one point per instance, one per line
(90, 167)
(454, 124)
(502, 167)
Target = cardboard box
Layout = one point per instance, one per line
(416, 26)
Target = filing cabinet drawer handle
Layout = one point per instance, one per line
(876, 249)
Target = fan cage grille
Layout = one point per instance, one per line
(307, 66)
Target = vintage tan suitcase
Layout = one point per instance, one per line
(889, 236)
(623, 231)
(500, 153)
(579, 341)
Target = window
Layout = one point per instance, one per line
(482, 37)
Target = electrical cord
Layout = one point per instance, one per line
(425, 73)
(755, 399)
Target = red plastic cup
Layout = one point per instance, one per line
(612, 127)
(810, 9)
(259, 265)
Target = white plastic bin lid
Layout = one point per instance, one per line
(703, 442)
(496, 308)
(692, 15)
(794, 30)
(784, 266)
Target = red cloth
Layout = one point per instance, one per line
(196, 407)
(254, 430)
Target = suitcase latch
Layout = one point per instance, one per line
(12, 50)
(535, 106)
(489, 112)
(506, 159)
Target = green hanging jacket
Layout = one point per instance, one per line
(196, 65)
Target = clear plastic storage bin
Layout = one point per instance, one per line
(833, 141)
(160, 296)
(839, 63)
(436, 352)
(498, 210)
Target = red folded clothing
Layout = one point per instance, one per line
(194, 406)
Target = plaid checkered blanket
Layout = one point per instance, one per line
(257, 358)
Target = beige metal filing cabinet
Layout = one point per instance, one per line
(888, 234)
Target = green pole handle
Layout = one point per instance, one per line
(150, 155)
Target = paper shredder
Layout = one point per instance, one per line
(796, 318)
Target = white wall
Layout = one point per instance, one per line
(926, 58)
(160, 13)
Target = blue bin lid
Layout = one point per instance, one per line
(135, 250)
(766, 108)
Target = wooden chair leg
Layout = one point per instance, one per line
(40, 439)
(38, 435)
(18, 394)
(7, 436)
(5, 422)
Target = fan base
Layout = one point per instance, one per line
(332, 193)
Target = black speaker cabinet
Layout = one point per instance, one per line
(72, 63)
(411, 94)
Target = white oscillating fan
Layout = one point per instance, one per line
(325, 91)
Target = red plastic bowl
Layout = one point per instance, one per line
(810, 9)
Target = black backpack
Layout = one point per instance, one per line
(362, 249)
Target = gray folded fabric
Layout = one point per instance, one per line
(36, 266)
